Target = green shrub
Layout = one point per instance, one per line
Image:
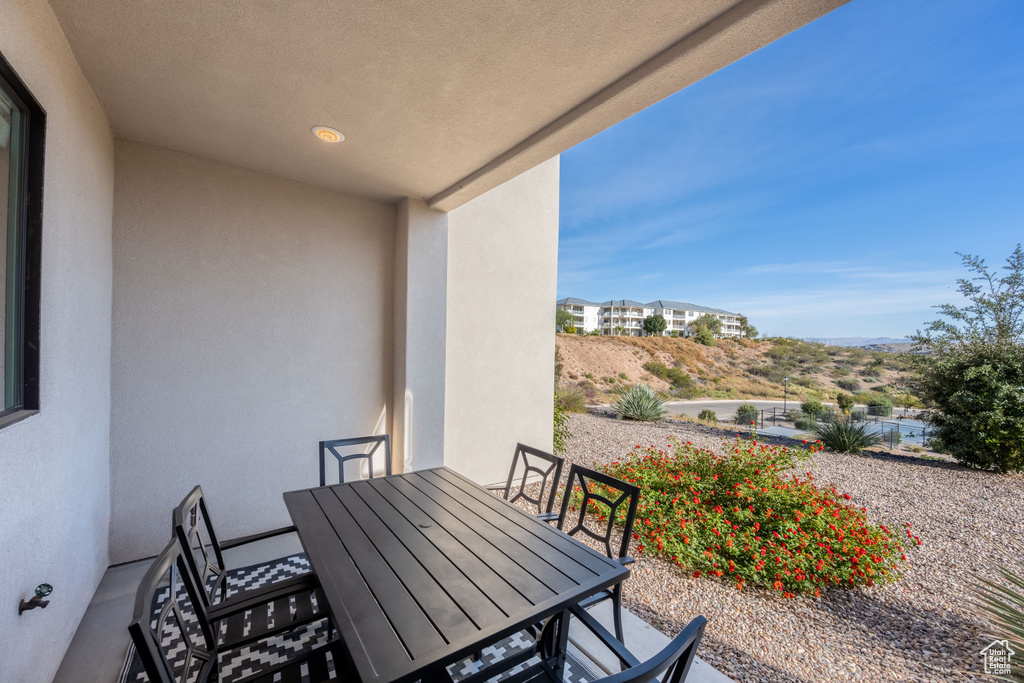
(659, 370)
(845, 402)
(812, 406)
(561, 433)
(839, 371)
(709, 323)
(608, 380)
(850, 385)
(746, 413)
(687, 392)
(679, 378)
(741, 518)
(793, 415)
(871, 371)
(571, 400)
(979, 392)
(880, 405)
(844, 436)
(708, 415)
(623, 375)
(705, 336)
(640, 402)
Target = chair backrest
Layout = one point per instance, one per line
(194, 531)
(674, 660)
(531, 462)
(599, 489)
(170, 627)
(339, 447)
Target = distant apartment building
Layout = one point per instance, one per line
(625, 317)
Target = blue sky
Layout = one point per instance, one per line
(821, 185)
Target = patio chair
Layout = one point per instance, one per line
(193, 529)
(674, 660)
(175, 635)
(534, 463)
(337, 445)
(598, 490)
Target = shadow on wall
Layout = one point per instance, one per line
(407, 433)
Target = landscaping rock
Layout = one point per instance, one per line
(919, 629)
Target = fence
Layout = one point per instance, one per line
(892, 431)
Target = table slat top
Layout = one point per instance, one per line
(423, 568)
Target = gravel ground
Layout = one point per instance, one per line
(919, 629)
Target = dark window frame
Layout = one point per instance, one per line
(27, 261)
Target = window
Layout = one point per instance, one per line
(22, 130)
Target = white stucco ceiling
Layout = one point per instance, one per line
(440, 99)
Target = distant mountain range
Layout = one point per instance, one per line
(857, 341)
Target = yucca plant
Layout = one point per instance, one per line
(1003, 604)
(843, 435)
(640, 402)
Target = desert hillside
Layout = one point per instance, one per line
(733, 369)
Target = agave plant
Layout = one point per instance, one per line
(1003, 604)
(640, 402)
(844, 436)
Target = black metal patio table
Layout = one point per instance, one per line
(422, 569)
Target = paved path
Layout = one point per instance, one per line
(726, 409)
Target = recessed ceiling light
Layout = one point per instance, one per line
(327, 134)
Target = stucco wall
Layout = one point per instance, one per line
(252, 318)
(499, 360)
(421, 258)
(54, 473)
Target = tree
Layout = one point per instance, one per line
(996, 311)
(709, 323)
(812, 406)
(845, 403)
(563, 319)
(974, 373)
(655, 324)
(619, 329)
(746, 329)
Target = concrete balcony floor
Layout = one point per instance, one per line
(98, 649)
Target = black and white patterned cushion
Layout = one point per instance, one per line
(242, 662)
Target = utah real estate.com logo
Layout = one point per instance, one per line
(997, 658)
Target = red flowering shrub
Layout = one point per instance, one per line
(742, 518)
